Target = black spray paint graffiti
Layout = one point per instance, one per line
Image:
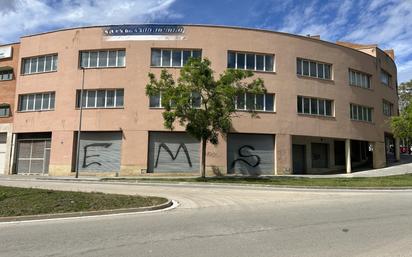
(85, 156)
(181, 146)
(241, 154)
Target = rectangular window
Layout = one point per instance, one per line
(6, 75)
(45, 63)
(102, 98)
(387, 108)
(250, 61)
(386, 78)
(259, 102)
(102, 59)
(361, 113)
(155, 101)
(359, 79)
(313, 69)
(172, 57)
(4, 111)
(314, 106)
(36, 102)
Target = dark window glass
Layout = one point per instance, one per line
(327, 71)
(54, 63)
(46, 98)
(91, 99)
(84, 60)
(299, 66)
(93, 59)
(23, 103)
(41, 64)
(155, 61)
(260, 62)
(269, 63)
(37, 102)
(119, 97)
(328, 107)
(103, 58)
(186, 56)
(110, 98)
(112, 58)
(306, 104)
(370, 114)
(314, 106)
(166, 58)
(52, 100)
(240, 101)
(250, 61)
(305, 68)
(240, 61)
(313, 69)
(101, 95)
(26, 66)
(260, 102)
(250, 101)
(269, 102)
(30, 104)
(196, 99)
(197, 54)
(154, 101)
(33, 67)
(321, 107)
(231, 60)
(121, 58)
(177, 58)
(300, 110)
(49, 63)
(320, 70)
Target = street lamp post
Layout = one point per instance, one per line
(80, 126)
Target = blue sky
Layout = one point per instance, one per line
(387, 23)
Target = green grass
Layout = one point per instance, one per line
(28, 201)
(389, 181)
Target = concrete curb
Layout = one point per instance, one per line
(168, 204)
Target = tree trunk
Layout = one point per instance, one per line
(203, 167)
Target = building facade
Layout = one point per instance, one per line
(325, 110)
(9, 56)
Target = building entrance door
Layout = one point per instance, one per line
(3, 138)
(33, 156)
(299, 159)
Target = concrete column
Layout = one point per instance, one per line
(283, 153)
(379, 156)
(397, 149)
(347, 155)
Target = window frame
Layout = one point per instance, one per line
(7, 109)
(362, 75)
(107, 51)
(363, 110)
(51, 95)
(255, 56)
(53, 66)
(265, 96)
(9, 73)
(160, 106)
(318, 107)
(300, 72)
(85, 98)
(172, 50)
(390, 107)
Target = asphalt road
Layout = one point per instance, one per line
(225, 221)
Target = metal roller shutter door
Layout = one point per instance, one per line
(250, 154)
(173, 152)
(100, 151)
(33, 156)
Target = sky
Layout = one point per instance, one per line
(387, 23)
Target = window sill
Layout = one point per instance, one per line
(317, 116)
(255, 111)
(102, 68)
(4, 80)
(331, 81)
(362, 121)
(100, 108)
(38, 73)
(35, 111)
(356, 86)
(255, 71)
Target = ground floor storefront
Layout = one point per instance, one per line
(151, 153)
(5, 148)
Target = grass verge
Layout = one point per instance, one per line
(361, 182)
(28, 201)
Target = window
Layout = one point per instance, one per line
(102, 59)
(172, 57)
(250, 61)
(39, 64)
(361, 113)
(314, 106)
(155, 101)
(6, 75)
(359, 79)
(387, 108)
(259, 102)
(37, 102)
(4, 110)
(101, 98)
(386, 78)
(313, 69)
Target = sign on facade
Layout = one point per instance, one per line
(144, 32)
(5, 52)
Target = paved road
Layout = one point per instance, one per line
(225, 221)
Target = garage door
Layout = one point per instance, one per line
(3, 138)
(100, 151)
(33, 156)
(250, 154)
(173, 152)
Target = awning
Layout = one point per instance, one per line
(2, 68)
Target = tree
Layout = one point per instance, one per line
(199, 102)
(405, 94)
(402, 124)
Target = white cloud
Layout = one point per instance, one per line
(22, 17)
